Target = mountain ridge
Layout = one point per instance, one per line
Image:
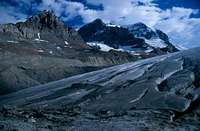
(42, 49)
(133, 37)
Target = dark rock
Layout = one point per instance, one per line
(141, 30)
(112, 36)
(120, 37)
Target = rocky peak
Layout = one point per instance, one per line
(46, 23)
(45, 19)
(137, 37)
(98, 22)
(43, 27)
(90, 29)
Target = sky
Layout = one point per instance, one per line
(179, 19)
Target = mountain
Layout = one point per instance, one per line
(156, 39)
(55, 78)
(42, 49)
(159, 93)
(44, 27)
(137, 38)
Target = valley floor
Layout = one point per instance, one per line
(156, 94)
(73, 120)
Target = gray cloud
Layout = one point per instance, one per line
(176, 22)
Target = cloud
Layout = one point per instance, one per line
(12, 11)
(68, 10)
(11, 15)
(176, 22)
(182, 29)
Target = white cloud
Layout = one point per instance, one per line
(176, 22)
(69, 9)
(182, 29)
(11, 15)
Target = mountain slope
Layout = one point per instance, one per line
(156, 39)
(134, 38)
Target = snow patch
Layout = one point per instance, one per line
(40, 50)
(134, 51)
(103, 47)
(66, 43)
(58, 48)
(51, 52)
(112, 25)
(155, 42)
(39, 38)
(38, 35)
(10, 41)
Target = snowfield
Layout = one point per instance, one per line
(155, 42)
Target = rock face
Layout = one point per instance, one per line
(162, 92)
(42, 27)
(135, 38)
(112, 36)
(42, 49)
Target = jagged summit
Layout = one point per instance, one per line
(46, 19)
(98, 21)
(46, 23)
(42, 27)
